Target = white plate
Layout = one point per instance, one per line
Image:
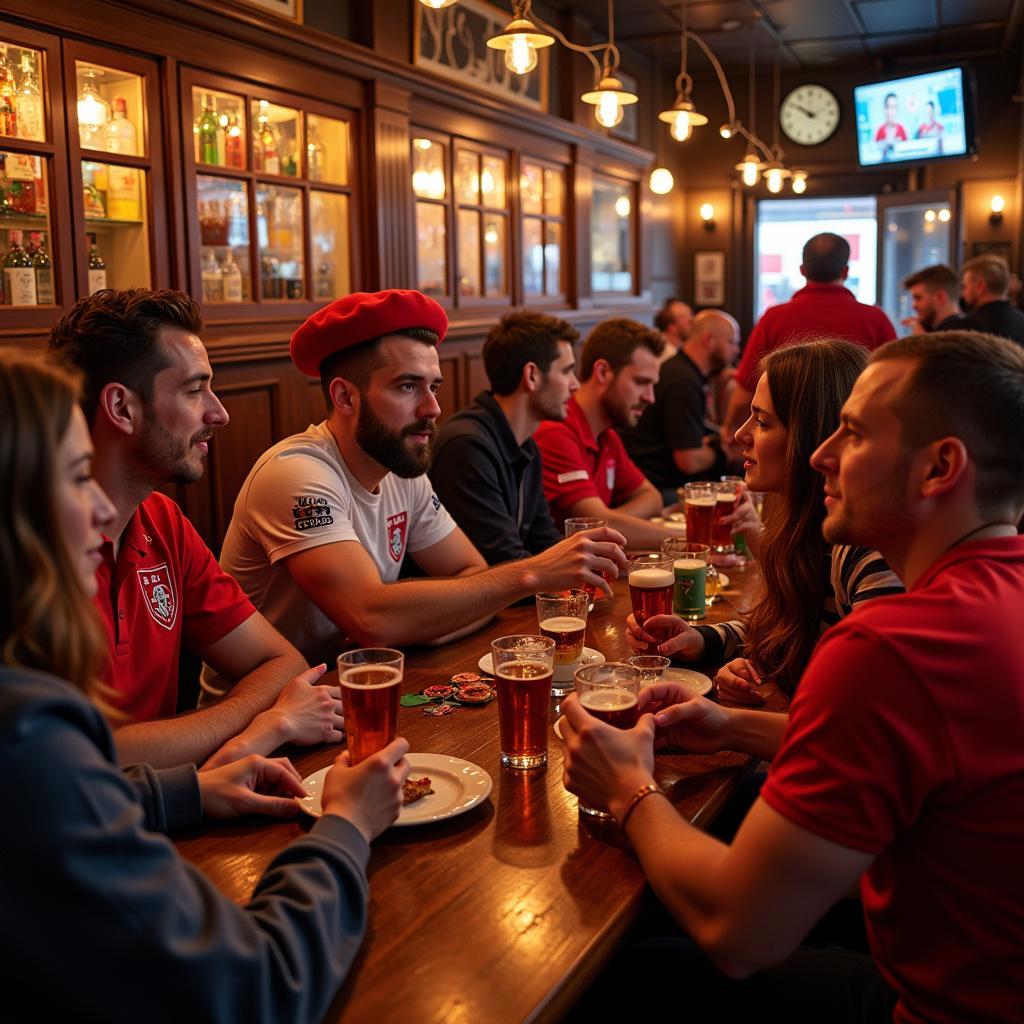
(458, 785)
(558, 727)
(723, 581)
(590, 657)
(696, 682)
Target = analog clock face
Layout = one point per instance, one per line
(809, 114)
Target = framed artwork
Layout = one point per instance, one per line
(709, 278)
(290, 10)
(1004, 249)
(452, 42)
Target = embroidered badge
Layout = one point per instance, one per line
(609, 475)
(576, 474)
(436, 502)
(158, 589)
(396, 535)
(310, 511)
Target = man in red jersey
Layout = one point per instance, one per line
(824, 307)
(152, 412)
(901, 763)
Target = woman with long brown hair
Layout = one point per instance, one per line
(808, 584)
(103, 920)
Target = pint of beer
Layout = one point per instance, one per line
(650, 585)
(522, 670)
(726, 495)
(690, 576)
(563, 618)
(611, 693)
(699, 506)
(371, 683)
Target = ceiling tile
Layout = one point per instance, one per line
(810, 19)
(897, 15)
(827, 51)
(909, 45)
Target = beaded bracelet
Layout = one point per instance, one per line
(640, 794)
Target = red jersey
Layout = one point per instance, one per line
(165, 587)
(906, 741)
(815, 311)
(577, 465)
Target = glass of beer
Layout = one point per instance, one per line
(371, 683)
(699, 506)
(577, 524)
(611, 693)
(563, 618)
(650, 666)
(523, 667)
(650, 585)
(726, 495)
(690, 577)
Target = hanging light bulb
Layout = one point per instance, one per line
(436, 5)
(609, 97)
(750, 168)
(682, 118)
(521, 40)
(622, 206)
(799, 182)
(93, 109)
(661, 181)
(774, 175)
(725, 131)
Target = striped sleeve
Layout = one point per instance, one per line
(724, 640)
(860, 574)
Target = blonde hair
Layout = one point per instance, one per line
(46, 620)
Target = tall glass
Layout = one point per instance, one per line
(523, 667)
(611, 693)
(371, 683)
(690, 572)
(577, 524)
(650, 585)
(699, 506)
(726, 495)
(563, 618)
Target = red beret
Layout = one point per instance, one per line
(361, 317)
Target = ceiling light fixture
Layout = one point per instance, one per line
(520, 41)
(682, 116)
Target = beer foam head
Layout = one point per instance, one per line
(701, 502)
(728, 496)
(690, 563)
(371, 677)
(607, 700)
(563, 624)
(650, 579)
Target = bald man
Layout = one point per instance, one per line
(673, 443)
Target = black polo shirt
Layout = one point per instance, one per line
(674, 421)
(490, 484)
(999, 317)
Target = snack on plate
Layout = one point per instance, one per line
(462, 678)
(440, 690)
(415, 789)
(474, 693)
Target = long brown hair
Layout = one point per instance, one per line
(809, 383)
(46, 620)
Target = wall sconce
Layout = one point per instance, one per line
(998, 204)
(707, 214)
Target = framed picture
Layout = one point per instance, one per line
(1004, 249)
(289, 10)
(452, 42)
(709, 278)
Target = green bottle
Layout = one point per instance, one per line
(208, 129)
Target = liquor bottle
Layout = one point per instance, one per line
(19, 275)
(123, 202)
(208, 129)
(231, 278)
(268, 139)
(233, 150)
(97, 268)
(8, 100)
(314, 155)
(29, 102)
(44, 270)
(120, 136)
(212, 282)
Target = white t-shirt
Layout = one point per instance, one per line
(299, 495)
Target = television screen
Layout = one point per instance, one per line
(921, 117)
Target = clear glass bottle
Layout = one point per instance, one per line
(43, 267)
(97, 268)
(19, 274)
(8, 99)
(212, 282)
(314, 154)
(234, 154)
(268, 141)
(208, 130)
(120, 135)
(29, 102)
(231, 278)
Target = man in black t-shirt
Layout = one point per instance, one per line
(673, 443)
(986, 280)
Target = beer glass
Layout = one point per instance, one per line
(577, 524)
(690, 577)
(371, 684)
(650, 585)
(699, 506)
(726, 495)
(563, 618)
(523, 667)
(650, 666)
(610, 692)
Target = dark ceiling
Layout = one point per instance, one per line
(816, 33)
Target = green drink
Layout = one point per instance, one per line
(688, 595)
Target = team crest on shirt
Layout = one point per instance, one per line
(609, 475)
(396, 535)
(158, 590)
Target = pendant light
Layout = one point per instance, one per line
(609, 96)
(682, 116)
(521, 40)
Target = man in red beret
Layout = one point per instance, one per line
(325, 519)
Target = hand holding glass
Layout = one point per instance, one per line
(371, 684)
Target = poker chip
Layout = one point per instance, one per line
(439, 710)
(474, 693)
(441, 690)
(462, 678)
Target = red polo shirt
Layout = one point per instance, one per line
(577, 465)
(904, 741)
(165, 587)
(815, 311)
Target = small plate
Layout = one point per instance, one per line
(558, 727)
(696, 682)
(723, 581)
(590, 657)
(458, 786)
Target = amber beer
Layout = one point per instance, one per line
(370, 696)
(721, 533)
(568, 633)
(523, 668)
(699, 506)
(616, 707)
(650, 590)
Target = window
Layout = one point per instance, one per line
(482, 223)
(611, 236)
(542, 197)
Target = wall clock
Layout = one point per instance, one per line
(809, 115)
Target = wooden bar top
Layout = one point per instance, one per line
(506, 912)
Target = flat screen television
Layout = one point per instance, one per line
(914, 118)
